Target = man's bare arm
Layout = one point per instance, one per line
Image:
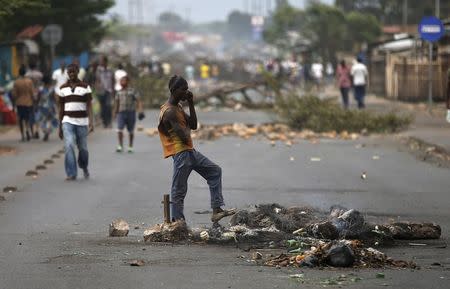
(170, 121)
(90, 114)
(192, 119)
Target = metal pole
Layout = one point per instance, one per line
(405, 12)
(166, 202)
(438, 8)
(430, 75)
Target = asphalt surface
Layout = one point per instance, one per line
(54, 234)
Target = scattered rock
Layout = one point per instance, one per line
(171, 232)
(119, 228)
(10, 189)
(48, 162)
(41, 167)
(55, 156)
(137, 263)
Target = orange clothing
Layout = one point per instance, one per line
(23, 91)
(172, 144)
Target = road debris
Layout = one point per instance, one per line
(119, 228)
(48, 162)
(7, 150)
(167, 232)
(310, 237)
(364, 175)
(55, 156)
(10, 189)
(414, 231)
(137, 263)
(272, 132)
(41, 167)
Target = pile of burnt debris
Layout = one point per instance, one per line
(308, 237)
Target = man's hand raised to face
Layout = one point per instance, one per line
(189, 96)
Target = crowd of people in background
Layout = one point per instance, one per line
(32, 100)
(34, 95)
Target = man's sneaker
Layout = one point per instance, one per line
(219, 213)
(86, 174)
(119, 149)
(130, 150)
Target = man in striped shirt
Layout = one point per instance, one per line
(75, 116)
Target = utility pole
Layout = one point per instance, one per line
(405, 13)
(438, 8)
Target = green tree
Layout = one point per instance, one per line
(326, 28)
(286, 19)
(9, 7)
(361, 28)
(391, 11)
(82, 27)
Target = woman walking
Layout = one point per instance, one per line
(343, 78)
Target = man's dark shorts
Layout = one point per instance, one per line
(24, 112)
(128, 119)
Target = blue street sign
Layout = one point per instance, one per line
(431, 29)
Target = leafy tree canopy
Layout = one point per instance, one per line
(79, 19)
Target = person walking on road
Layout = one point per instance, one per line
(126, 102)
(118, 74)
(104, 89)
(76, 121)
(22, 93)
(175, 133)
(46, 108)
(360, 77)
(344, 82)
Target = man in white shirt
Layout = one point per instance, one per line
(60, 76)
(360, 78)
(118, 75)
(76, 121)
(317, 73)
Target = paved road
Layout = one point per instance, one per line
(53, 234)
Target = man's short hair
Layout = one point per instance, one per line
(73, 66)
(176, 82)
(22, 70)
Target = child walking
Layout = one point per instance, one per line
(127, 101)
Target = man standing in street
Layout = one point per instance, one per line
(76, 121)
(360, 77)
(104, 88)
(23, 92)
(175, 133)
